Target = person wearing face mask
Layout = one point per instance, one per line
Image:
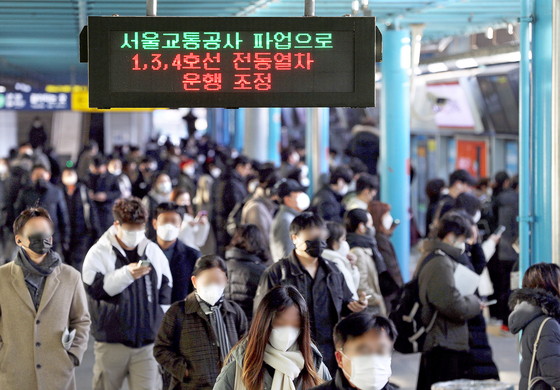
(460, 181)
(319, 281)
(367, 187)
(167, 224)
(278, 352)
(128, 281)
(383, 224)
(338, 251)
(44, 322)
(364, 349)
(372, 268)
(197, 333)
(41, 192)
(293, 202)
(143, 183)
(188, 177)
(444, 355)
(327, 202)
(434, 192)
(83, 223)
(103, 190)
(194, 229)
(115, 168)
(160, 193)
(289, 161)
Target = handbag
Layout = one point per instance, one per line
(533, 381)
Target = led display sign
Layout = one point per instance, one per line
(231, 62)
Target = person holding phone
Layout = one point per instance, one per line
(127, 299)
(194, 229)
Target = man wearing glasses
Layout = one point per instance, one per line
(364, 347)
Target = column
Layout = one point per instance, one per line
(316, 145)
(256, 134)
(239, 131)
(274, 134)
(394, 164)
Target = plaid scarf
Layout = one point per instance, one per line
(218, 324)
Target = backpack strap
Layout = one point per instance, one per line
(532, 381)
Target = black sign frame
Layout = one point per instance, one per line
(366, 38)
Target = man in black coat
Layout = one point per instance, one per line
(364, 346)
(167, 223)
(327, 202)
(83, 222)
(104, 190)
(228, 191)
(42, 193)
(319, 281)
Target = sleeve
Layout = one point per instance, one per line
(165, 346)
(437, 276)
(79, 320)
(328, 211)
(478, 259)
(324, 373)
(201, 235)
(283, 236)
(347, 297)
(113, 190)
(242, 323)
(266, 282)
(226, 379)
(63, 219)
(548, 353)
(489, 248)
(364, 285)
(101, 284)
(162, 266)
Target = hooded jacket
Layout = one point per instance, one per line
(530, 308)
(438, 293)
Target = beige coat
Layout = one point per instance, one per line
(31, 351)
(369, 279)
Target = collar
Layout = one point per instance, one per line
(341, 382)
(430, 246)
(358, 240)
(287, 209)
(192, 305)
(296, 266)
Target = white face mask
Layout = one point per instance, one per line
(3, 169)
(211, 293)
(70, 180)
(444, 191)
(305, 181)
(168, 232)
(216, 172)
(352, 186)
(370, 372)
(189, 170)
(253, 186)
(131, 238)
(117, 172)
(164, 188)
(460, 245)
(477, 216)
(303, 201)
(387, 221)
(283, 338)
(344, 190)
(344, 249)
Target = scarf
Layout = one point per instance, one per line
(35, 274)
(218, 325)
(357, 240)
(287, 366)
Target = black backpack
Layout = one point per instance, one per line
(407, 317)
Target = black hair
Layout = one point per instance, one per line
(456, 222)
(358, 166)
(241, 160)
(167, 207)
(354, 218)
(207, 262)
(468, 203)
(342, 172)
(40, 166)
(367, 182)
(28, 214)
(336, 232)
(129, 210)
(251, 239)
(99, 160)
(286, 153)
(304, 221)
(357, 324)
(461, 175)
(433, 189)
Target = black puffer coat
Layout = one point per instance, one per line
(244, 271)
(530, 308)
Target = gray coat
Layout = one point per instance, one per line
(226, 379)
(438, 293)
(281, 244)
(529, 308)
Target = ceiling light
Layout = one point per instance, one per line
(355, 5)
(437, 67)
(489, 33)
(466, 63)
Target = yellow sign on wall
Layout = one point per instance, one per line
(80, 102)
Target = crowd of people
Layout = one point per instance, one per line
(193, 267)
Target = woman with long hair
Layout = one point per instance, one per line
(277, 354)
(246, 258)
(536, 312)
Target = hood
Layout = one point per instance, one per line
(428, 246)
(528, 304)
(241, 255)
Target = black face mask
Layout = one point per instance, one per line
(370, 232)
(40, 243)
(41, 185)
(315, 247)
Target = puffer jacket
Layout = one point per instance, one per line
(438, 293)
(244, 271)
(530, 308)
(226, 379)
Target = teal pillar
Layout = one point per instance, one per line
(394, 169)
(210, 131)
(541, 136)
(239, 131)
(274, 135)
(256, 134)
(316, 145)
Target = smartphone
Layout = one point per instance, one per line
(500, 230)
(490, 303)
(396, 222)
(202, 213)
(144, 263)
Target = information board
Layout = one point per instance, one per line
(231, 62)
